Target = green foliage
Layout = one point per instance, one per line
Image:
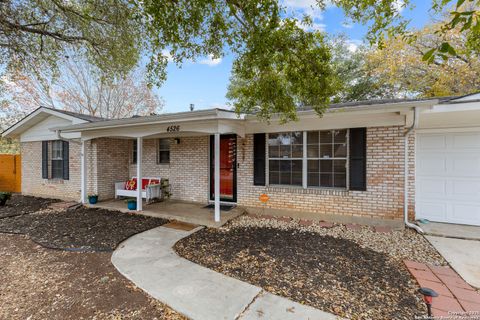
(283, 69)
(356, 82)
(36, 34)
(385, 21)
(4, 197)
(278, 66)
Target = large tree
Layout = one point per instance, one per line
(356, 81)
(281, 63)
(400, 65)
(83, 88)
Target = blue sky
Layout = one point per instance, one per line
(204, 83)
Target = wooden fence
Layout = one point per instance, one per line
(10, 172)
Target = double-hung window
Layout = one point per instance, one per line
(163, 154)
(134, 151)
(285, 158)
(327, 158)
(324, 164)
(57, 159)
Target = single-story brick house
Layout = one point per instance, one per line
(366, 162)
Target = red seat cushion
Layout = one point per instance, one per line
(131, 184)
(145, 183)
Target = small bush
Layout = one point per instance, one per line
(4, 197)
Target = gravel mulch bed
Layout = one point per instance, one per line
(354, 274)
(398, 244)
(38, 283)
(81, 229)
(20, 205)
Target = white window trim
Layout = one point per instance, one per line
(169, 152)
(305, 164)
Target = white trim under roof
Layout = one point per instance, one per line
(205, 115)
(34, 118)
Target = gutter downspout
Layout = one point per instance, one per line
(405, 190)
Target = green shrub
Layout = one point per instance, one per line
(4, 196)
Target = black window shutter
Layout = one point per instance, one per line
(44, 159)
(259, 159)
(66, 165)
(358, 159)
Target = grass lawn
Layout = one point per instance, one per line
(354, 274)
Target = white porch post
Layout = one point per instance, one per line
(139, 173)
(217, 177)
(83, 173)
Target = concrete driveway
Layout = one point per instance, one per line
(463, 256)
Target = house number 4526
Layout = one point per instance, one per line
(173, 128)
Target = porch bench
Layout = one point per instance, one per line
(151, 188)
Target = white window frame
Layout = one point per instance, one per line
(159, 149)
(305, 161)
(57, 147)
(280, 159)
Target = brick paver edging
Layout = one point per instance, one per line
(454, 294)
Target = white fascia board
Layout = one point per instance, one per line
(185, 128)
(401, 107)
(454, 107)
(200, 115)
(37, 116)
(329, 122)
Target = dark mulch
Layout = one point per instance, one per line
(19, 205)
(331, 274)
(38, 283)
(82, 229)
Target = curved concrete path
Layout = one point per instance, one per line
(147, 259)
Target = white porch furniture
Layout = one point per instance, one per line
(150, 192)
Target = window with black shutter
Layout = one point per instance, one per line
(259, 159)
(55, 160)
(358, 159)
(44, 159)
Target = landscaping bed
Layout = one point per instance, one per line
(82, 229)
(38, 283)
(356, 274)
(20, 205)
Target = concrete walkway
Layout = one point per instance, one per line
(451, 230)
(462, 255)
(147, 259)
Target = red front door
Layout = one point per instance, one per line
(228, 168)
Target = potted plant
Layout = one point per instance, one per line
(92, 198)
(4, 196)
(131, 204)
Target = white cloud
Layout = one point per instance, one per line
(352, 45)
(347, 25)
(398, 5)
(210, 61)
(316, 26)
(167, 54)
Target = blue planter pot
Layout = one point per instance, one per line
(93, 199)
(132, 205)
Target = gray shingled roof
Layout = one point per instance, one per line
(85, 117)
(379, 102)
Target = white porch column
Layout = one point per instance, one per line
(217, 176)
(139, 173)
(83, 173)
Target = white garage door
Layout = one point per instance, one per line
(448, 177)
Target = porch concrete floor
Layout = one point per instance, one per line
(176, 210)
(451, 230)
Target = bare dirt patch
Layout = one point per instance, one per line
(333, 274)
(20, 205)
(40, 283)
(82, 229)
